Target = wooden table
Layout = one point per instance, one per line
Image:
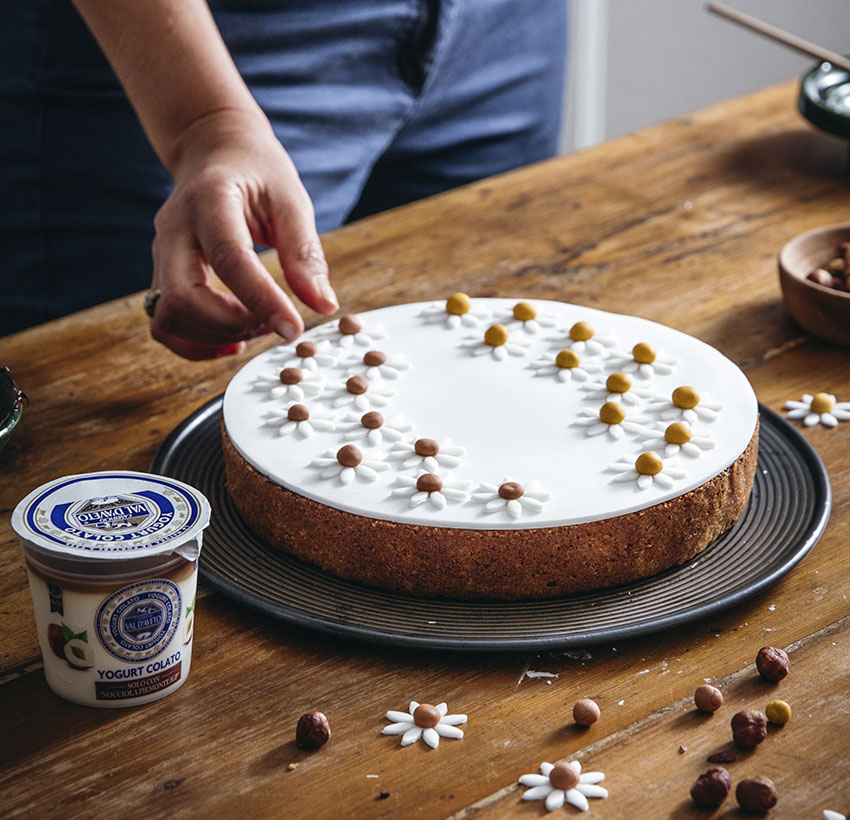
(680, 223)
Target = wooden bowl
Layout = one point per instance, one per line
(820, 310)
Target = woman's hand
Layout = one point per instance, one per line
(234, 185)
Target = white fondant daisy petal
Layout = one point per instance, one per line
(664, 480)
(397, 728)
(811, 419)
(546, 768)
(494, 504)
(589, 790)
(535, 780)
(329, 472)
(368, 473)
(347, 475)
(555, 799)
(577, 799)
(448, 731)
(431, 737)
(411, 736)
(513, 508)
(531, 503)
(453, 720)
(399, 716)
(418, 498)
(538, 792)
(644, 481)
(437, 500)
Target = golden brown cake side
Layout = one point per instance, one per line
(493, 564)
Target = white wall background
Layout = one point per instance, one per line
(637, 62)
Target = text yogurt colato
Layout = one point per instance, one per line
(112, 560)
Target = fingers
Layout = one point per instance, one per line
(300, 251)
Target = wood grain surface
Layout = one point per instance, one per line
(680, 223)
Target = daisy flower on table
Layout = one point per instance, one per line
(617, 388)
(647, 469)
(347, 464)
(359, 393)
(299, 420)
(496, 342)
(457, 310)
(374, 428)
(350, 331)
(611, 419)
(528, 318)
(644, 361)
(565, 367)
(583, 339)
(431, 488)
(822, 407)
(424, 721)
(427, 454)
(563, 783)
(290, 384)
(376, 365)
(686, 404)
(511, 498)
(675, 438)
(305, 355)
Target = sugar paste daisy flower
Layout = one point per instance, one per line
(424, 721)
(675, 438)
(431, 488)
(457, 310)
(583, 339)
(349, 331)
(565, 367)
(359, 393)
(644, 361)
(610, 419)
(290, 384)
(374, 428)
(347, 464)
(617, 388)
(305, 355)
(496, 342)
(832, 815)
(686, 404)
(528, 318)
(511, 498)
(427, 454)
(646, 470)
(822, 407)
(299, 420)
(376, 365)
(563, 783)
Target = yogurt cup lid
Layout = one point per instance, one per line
(113, 515)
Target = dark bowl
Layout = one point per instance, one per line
(11, 405)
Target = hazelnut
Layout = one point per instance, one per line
(778, 712)
(749, 728)
(820, 276)
(756, 794)
(313, 731)
(711, 788)
(772, 663)
(585, 712)
(708, 698)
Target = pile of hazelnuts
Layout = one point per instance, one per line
(749, 728)
(835, 273)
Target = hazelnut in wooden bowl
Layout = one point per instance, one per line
(814, 272)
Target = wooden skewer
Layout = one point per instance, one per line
(774, 33)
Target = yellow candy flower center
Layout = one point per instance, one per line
(822, 403)
(567, 359)
(524, 312)
(618, 383)
(649, 464)
(678, 433)
(643, 353)
(458, 304)
(581, 332)
(611, 412)
(685, 397)
(496, 335)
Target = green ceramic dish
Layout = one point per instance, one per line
(825, 99)
(12, 401)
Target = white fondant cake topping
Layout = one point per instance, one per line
(492, 421)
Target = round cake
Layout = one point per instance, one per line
(490, 448)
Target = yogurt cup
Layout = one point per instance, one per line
(112, 559)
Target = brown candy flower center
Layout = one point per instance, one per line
(685, 397)
(305, 350)
(357, 385)
(496, 335)
(372, 420)
(458, 304)
(563, 776)
(374, 358)
(822, 403)
(643, 353)
(426, 716)
(618, 383)
(567, 359)
(426, 447)
(298, 412)
(511, 490)
(649, 464)
(349, 456)
(581, 332)
(678, 433)
(611, 412)
(429, 483)
(349, 325)
(524, 312)
(291, 375)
